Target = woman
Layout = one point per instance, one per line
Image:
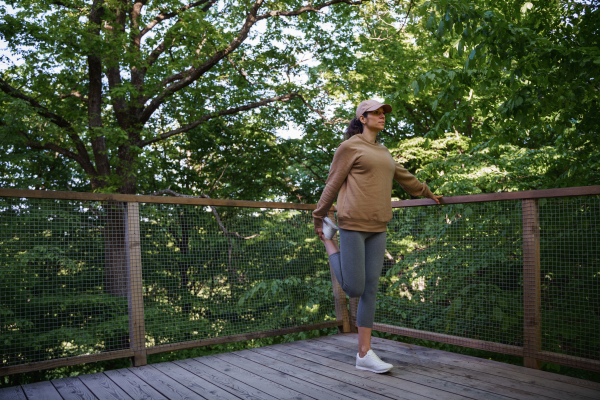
(362, 171)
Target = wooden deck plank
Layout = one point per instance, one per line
(224, 381)
(168, 387)
(319, 368)
(133, 385)
(103, 387)
(272, 388)
(478, 365)
(12, 393)
(41, 390)
(288, 366)
(394, 381)
(351, 389)
(73, 389)
(458, 375)
(496, 364)
(193, 382)
(298, 379)
(469, 381)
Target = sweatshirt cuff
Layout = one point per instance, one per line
(426, 192)
(318, 222)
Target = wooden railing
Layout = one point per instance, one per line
(345, 313)
(532, 304)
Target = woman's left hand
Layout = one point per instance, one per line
(436, 198)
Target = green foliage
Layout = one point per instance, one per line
(458, 269)
(266, 273)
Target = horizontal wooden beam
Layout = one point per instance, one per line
(48, 194)
(476, 198)
(569, 361)
(450, 339)
(64, 362)
(556, 358)
(482, 198)
(241, 337)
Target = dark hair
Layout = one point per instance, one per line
(355, 127)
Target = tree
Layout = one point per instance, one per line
(526, 88)
(487, 96)
(103, 82)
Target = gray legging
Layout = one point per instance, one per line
(357, 267)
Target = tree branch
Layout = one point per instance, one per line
(327, 121)
(164, 16)
(240, 70)
(213, 208)
(315, 175)
(62, 4)
(47, 146)
(304, 9)
(194, 74)
(56, 119)
(205, 118)
(83, 157)
(74, 93)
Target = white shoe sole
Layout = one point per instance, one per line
(372, 370)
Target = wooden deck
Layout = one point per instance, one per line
(321, 368)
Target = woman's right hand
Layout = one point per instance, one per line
(319, 232)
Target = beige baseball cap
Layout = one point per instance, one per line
(372, 105)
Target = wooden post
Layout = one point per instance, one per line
(137, 339)
(532, 323)
(341, 307)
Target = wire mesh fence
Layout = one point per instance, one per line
(570, 276)
(520, 274)
(459, 270)
(66, 281)
(62, 291)
(221, 271)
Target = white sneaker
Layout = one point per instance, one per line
(370, 362)
(329, 228)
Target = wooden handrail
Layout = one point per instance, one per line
(475, 198)
(134, 198)
(487, 197)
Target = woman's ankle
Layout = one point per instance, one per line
(330, 247)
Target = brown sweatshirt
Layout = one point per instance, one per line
(363, 173)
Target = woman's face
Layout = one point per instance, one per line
(375, 120)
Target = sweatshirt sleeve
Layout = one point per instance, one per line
(343, 159)
(411, 184)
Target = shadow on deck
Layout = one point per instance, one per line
(321, 368)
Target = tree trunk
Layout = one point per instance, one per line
(115, 249)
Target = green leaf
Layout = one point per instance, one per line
(415, 86)
(430, 20)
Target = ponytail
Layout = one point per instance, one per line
(354, 127)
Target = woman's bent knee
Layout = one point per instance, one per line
(353, 291)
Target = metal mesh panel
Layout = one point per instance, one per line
(455, 270)
(465, 270)
(570, 276)
(63, 280)
(250, 270)
(84, 277)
